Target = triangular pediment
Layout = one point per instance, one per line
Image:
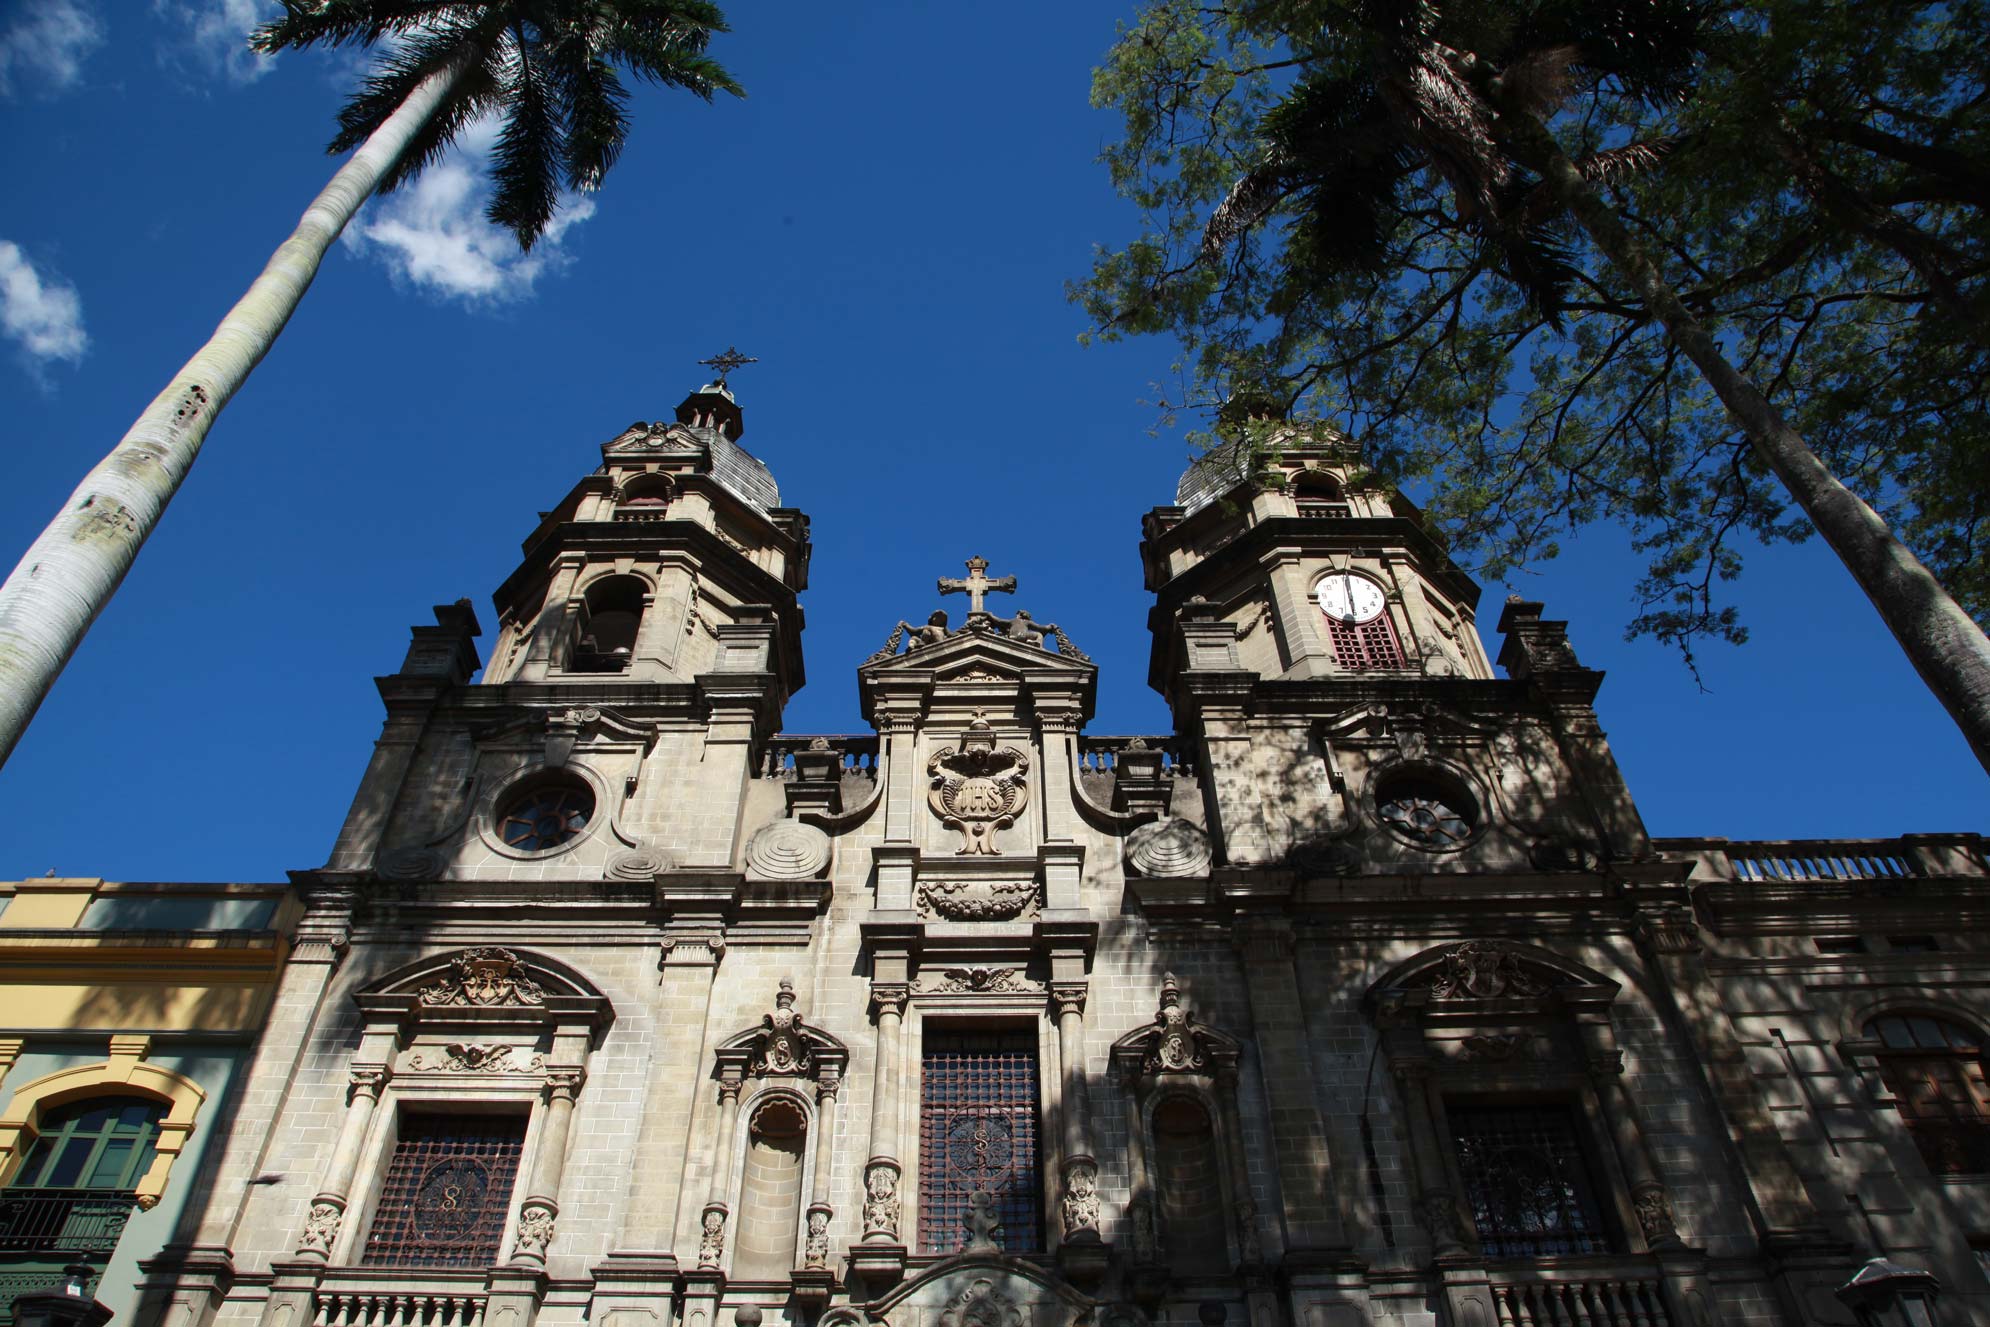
(972, 648)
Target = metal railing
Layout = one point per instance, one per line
(36, 1221)
(1782, 861)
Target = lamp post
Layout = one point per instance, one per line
(68, 1305)
(1882, 1285)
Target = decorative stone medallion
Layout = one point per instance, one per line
(487, 975)
(637, 864)
(788, 850)
(1169, 848)
(977, 789)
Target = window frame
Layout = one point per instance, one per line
(1883, 1062)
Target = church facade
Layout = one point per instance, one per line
(1362, 996)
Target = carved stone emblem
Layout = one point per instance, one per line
(816, 1252)
(460, 1057)
(1487, 970)
(535, 1231)
(321, 1228)
(881, 1201)
(788, 850)
(977, 900)
(1175, 1047)
(782, 1049)
(977, 789)
(484, 976)
(981, 1305)
(712, 1240)
(982, 981)
(1169, 849)
(1498, 1047)
(1654, 1209)
(1146, 1248)
(1080, 1206)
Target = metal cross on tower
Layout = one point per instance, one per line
(976, 584)
(725, 363)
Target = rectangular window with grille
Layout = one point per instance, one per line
(1527, 1185)
(447, 1191)
(1364, 646)
(978, 1131)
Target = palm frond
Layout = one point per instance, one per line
(525, 162)
(354, 22)
(592, 105)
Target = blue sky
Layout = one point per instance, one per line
(887, 221)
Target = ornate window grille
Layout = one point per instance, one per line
(978, 1131)
(74, 1191)
(1526, 1183)
(1934, 1069)
(447, 1192)
(1365, 646)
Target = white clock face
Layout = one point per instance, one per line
(1348, 598)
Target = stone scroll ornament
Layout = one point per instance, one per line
(1080, 1205)
(321, 1228)
(1487, 970)
(712, 1241)
(782, 1048)
(977, 789)
(536, 1226)
(816, 1253)
(484, 977)
(1175, 1048)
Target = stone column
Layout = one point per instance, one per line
(1140, 1211)
(1620, 1112)
(540, 1211)
(820, 1210)
(1436, 1201)
(881, 1254)
(690, 963)
(1230, 1128)
(1079, 1206)
(712, 1235)
(321, 1227)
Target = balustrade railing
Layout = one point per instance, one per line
(447, 1300)
(1798, 860)
(853, 753)
(1547, 1296)
(1101, 755)
(641, 515)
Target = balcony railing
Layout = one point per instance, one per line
(50, 1221)
(850, 753)
(1795, 861)
(371, 1297)
(1579, 1295)
(1100, 755)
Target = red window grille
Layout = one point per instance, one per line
(1363, 647)
(1934, 1069)
(447, 1192)
(1526, 1182)
(978, 1131)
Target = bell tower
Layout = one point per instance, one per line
(645, 647)
(1321, 650)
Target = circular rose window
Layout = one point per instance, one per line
(545, 816)
(1427, 812)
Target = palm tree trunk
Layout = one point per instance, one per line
(71, 571)
(1946, 647)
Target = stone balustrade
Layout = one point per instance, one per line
(1780, 861)
(853, 753)
(1547, 1294)
(364, 1299)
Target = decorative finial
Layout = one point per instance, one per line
(1171, 994)
(725, 363)
(977, 584)
(786, 995)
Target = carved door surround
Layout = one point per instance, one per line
(783, 1056)
(1175, 1056)
(485, 1025)
(1492, 1018)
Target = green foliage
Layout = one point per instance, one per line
(1331, 219)
(547, 68)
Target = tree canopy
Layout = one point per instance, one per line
(1809, 177)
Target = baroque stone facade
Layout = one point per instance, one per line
(1362, 996)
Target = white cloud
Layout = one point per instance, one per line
(214, 35)
(46, 45)
(39, 311)
(432, 233)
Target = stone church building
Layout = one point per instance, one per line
(1362, 996)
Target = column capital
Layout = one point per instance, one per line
(564, 1084)
(889, 997)
(366, 1081)
(1069, 996)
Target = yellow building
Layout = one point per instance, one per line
(128, 1013)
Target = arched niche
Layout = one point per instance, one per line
(1173, 1072)
(1481, 1032)
(777, 1084)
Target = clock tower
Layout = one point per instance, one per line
(1324, 653)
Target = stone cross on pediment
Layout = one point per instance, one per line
(977, 584)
